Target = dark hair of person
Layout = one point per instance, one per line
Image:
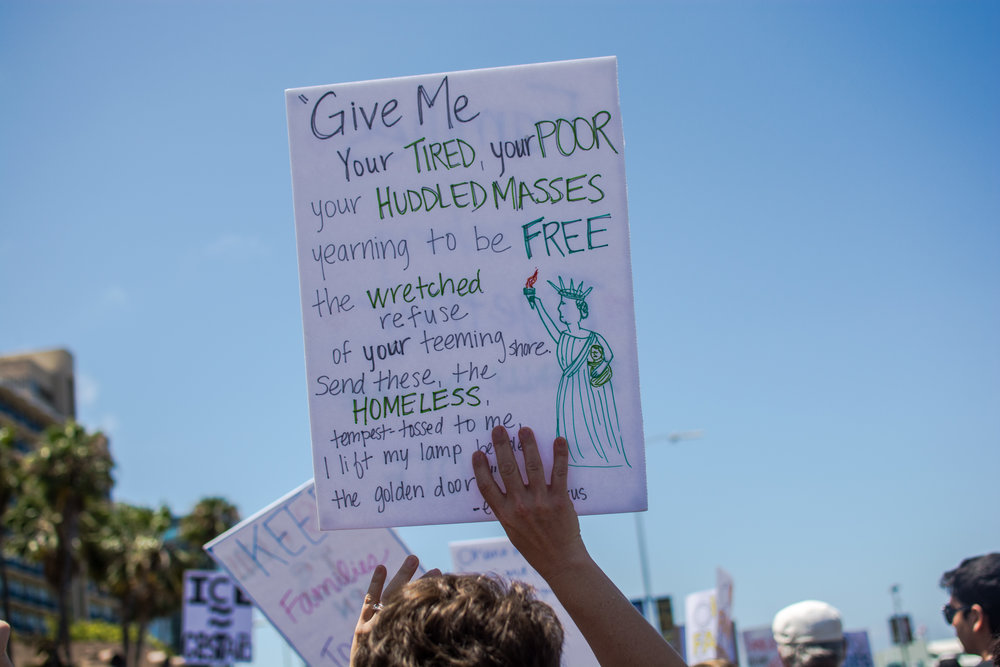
(463, 620)
(977, 581)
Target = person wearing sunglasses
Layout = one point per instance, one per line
(974, 607)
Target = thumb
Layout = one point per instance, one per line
(4, 638)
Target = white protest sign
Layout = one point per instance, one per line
(701, 626)
(464, 262)
(218, 620)
(724, 603)
(499, 556)
(309, 584)
(761, 649)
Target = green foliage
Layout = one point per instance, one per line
(209, 518)
(62, 518)
(129, 553)
(111, 633)
(66, 476)
(63, 479)
(10, 467)
(71, 466)
(10, 482)
(95, 631)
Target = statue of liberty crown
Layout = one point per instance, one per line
(576, 293)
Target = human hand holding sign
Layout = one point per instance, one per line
(538, 516)
(542, 524)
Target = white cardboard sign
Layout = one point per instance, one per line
(308, 583)
(464, 262)
(701, 626)
(499, 556)
(724, 622)
(761, 649)
(218, 620)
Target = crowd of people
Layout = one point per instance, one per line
(474, 620)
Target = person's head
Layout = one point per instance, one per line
(974, 607)
(568, 296)
(463, 620)
(809, 634)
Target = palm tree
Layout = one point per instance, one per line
(138, 566)
(132, 557)
(209, 518)
(65, 477)
(10, 466)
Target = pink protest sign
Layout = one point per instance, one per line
(308, 583)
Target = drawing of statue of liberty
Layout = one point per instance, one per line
(586, 414)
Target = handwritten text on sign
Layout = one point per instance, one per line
(217, 620)
(464, 263)
(309, 584)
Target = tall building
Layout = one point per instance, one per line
(37, 390)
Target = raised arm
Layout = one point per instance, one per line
(551, 326)
(541, 522)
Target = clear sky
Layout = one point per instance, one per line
(814, 190)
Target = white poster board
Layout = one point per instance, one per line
(217, 620)
(308, 583)
(424, 207)
(724, 606)
(499, 556)
(701, 626)
(761, 649)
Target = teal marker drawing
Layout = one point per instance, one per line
(586, 414)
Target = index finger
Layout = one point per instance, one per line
(374, 595)
(484, 480)
(402, 576)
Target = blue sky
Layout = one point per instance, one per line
(814, 191)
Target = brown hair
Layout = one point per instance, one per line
(463, 620)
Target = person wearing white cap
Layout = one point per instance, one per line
(809, 634)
